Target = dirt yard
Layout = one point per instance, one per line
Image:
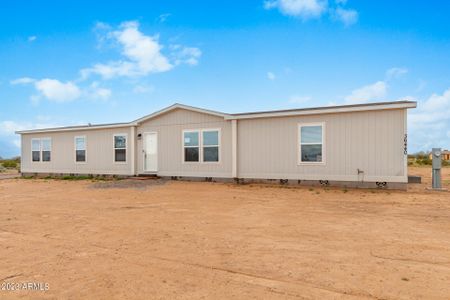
(169, 240)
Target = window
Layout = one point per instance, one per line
(41, 149)
(311, 143)
(191, 146)
(80, 149)
(210, 142)
(201, 145)
(36, 149)
(120, 148)
(46, 146)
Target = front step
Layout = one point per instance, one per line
(145, 176)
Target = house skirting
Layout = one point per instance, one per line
(288, 182)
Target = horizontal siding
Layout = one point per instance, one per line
(169, 127)
(369, 141)
(100, 153)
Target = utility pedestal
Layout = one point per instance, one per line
(437, 165)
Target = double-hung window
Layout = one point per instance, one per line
(120, 147)
(36, 149)
(46, 145)
(210, 142)
(311, 146)
(80, 149)
(191, 142)
(201, 145)
(41, 149)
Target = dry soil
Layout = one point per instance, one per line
(169, 240)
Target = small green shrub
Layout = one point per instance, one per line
(79, 177)
(10, 164)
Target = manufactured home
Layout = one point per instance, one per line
(354, 145)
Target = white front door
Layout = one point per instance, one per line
(150, 152)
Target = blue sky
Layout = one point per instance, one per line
(87, 61)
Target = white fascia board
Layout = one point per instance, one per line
(63, 129)
(331, 110)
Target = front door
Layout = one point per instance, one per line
(150, 152)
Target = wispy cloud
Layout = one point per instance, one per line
(347, 16)
(314, 9)
(395, 72)
(163, 17)
(57, 91)
(371, 92)
(304, 9)
(376, 91)
(143, 89)
(270, 76)
(296, 99)
(185, 55)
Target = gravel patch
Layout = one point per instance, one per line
(128, 183)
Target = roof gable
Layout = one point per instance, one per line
(179, 106)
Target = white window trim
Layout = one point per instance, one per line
(299, 144)
(200, 146)
(183, 146)
(75, 149)
(40, 147)
(114, 149)
(51, 150)
(219, 137)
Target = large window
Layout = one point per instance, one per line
(80, 149)
(201, 145)
(120, 148)
(210, 142)
(41, 149)
(36, 149)
(311, 143)
(191, 146)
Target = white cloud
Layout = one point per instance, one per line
(163, 17)
(394, 73)
(8, 128)
(270, 76)
(23, 80)
(52, 89)
(311, 9)
(430, 121)
(97, 93)
(142, 54)
(55, 90)
(186, 55)
(299, 99)
(376, 91)
(143, 89)
(32, 38)
(304, 9)
(347, 16)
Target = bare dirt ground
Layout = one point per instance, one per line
(209, 240)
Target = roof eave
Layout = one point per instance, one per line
(324, 110)
(81, 128)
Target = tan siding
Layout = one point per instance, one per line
(100, 153)
(369, 141)
(169, 127)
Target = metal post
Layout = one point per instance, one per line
(437, 164)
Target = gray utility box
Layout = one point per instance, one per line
(437, 165)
